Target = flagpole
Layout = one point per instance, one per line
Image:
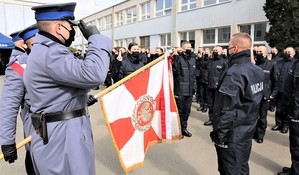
(102, 93)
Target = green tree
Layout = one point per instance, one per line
(283, 16)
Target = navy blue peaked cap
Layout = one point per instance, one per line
(15, 36)
(50, 12)
(28, 32)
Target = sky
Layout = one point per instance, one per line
(85, 7)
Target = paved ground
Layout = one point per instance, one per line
(190, 156)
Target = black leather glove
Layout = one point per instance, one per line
(91, 100)
(9, 152)
(88, 30)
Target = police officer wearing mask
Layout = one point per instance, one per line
(158, 52)
(290, 102)
(236, 107)
(271, 72)
(57, 84)
(13, 97)
(132, 63)
(183, 66)
(284, 65)
(216, 67)
(203, 66)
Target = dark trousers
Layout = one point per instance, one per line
(294, 146)
(233, 160)
(262, 122)
(184, 106)
(203, 94)
(281, 115)
(108, 80)
(29, 164)
(210, 101)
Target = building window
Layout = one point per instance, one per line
(188, 5)
(120, 43)
(130, 40)
(163, 7)
(131, 15)
(210, 2)
(223, 35)
(245, 29)
(166, 39)
(145, 41)
(101, 23)
(209, 36)
(120, 19)
(188, 36)
(146, 11)
(259, 31)
(108, 22)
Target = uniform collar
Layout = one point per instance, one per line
(50, 36)
(240, 57)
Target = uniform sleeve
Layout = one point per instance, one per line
(176, 66)
(64, 69)
(10, 101)
(228, 102)
(275, 80)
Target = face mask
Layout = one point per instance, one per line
(188, 51)
(224, 56)
(286, 55)
(273, 54)
(215, 54)
(71, 38)
(135, 57)
(254, 53)
(157, 55)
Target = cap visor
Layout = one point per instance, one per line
(74, 22)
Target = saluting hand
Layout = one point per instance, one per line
(87, 31)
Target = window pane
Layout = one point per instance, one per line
(168, 3)
(192, 6)
(184, 36)
(185, 7)
(223, 0)
(159, 5)
(191, 35)
(246, 29)
(163, 39)
(168, 11)
(209, 36)
(209, 2)
(184, 1)
(259, 32)
(223, 35)
(168, 40)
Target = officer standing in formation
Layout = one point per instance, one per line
(13, 96)
(291, 98)
(216, 67)
(57, 85)
(271, 72)
(281, 115)
(183, 67)
(236, 107)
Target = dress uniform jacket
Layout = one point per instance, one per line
(58, 82)
(13, 96)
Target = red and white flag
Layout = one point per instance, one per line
(141, 112)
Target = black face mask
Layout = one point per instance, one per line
(259, 58)
(273, 54)
(156, 55)
(71, 38)
(215, 55)
(224, 56)
(254, 53)
(188, 52)
(135, 57)
(286, 55)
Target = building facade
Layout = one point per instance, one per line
(16, 15)
(205, 23)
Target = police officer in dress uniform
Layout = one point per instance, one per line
(20, 46)
(57, 84)
(236, 108)
(291, 98)
(13, 96)
(183, 67)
